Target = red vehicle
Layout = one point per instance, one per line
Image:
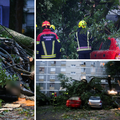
(109, 49)
(73, 102)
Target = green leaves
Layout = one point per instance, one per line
(5, 78)
(65, 15)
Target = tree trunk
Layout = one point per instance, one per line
(24, 41)
(19, 15)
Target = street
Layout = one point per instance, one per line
(61, 113)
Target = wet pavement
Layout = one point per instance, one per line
(52, 113)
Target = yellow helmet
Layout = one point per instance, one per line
(52, 26)
(82, 24)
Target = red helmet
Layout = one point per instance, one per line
(45, 23)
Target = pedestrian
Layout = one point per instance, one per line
(82, 37)
(48, 43)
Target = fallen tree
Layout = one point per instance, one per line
(24, 41)
(84, 90)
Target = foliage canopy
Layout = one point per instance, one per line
(65, 15)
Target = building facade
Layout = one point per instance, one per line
(47, 72)
(4, 12)
(29, 17)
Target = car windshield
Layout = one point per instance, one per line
(106, 45)
(118, 42)
(96, 45)
(95, 98)
(74, 98)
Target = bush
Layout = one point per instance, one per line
(41, 99)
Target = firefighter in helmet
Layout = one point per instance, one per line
(52, 99)
(55, 99)
(48, 43)
(83, 40)
(52, 28)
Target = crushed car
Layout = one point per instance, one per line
(74, 102)
(108, 49)
(95, 102)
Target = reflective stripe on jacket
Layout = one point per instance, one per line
(49, 45)
(82, 41)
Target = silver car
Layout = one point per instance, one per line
(95, 101)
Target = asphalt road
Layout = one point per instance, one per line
(52, 113)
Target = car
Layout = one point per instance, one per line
(108, 49)
(95, 102)
(74, 102)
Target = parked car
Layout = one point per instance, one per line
(74, 102)
(95, 102)
(109, 49)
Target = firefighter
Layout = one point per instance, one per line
(52, 99)
(48, 44)
(52, 28)
(83, 41)
(55, 99)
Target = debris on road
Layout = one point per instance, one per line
(24, 102)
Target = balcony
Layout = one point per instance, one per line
(52, 80)
(41, 88)
(63, 72)
(92, 73)
(51, 88)
(52, 72)
(41, 79)
(82, 65)
(83, 73)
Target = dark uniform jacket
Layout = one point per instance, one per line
(83, 41)
(48, 45)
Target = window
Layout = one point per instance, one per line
(63, 63)
(30, 3)
(73, 73)
(41, 86)
(52, 77)
(63, 69)
(30, 20)
(42, 69)
(41, 77)
(82, 70)
(93, 70)
(1, 15)
(118, 42)
(52, 85)
(106, 45)
(93, 64)
(52, 69)
(53, 63)
(73, 65)
(42, 62)
(102, 64)
(83, 64)
(96, 45)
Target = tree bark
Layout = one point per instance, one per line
(19, 15)
(24, 41)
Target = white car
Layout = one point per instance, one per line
(95, 102)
